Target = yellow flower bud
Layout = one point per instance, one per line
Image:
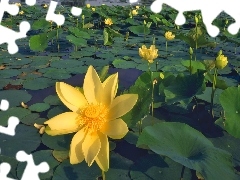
(134, 12)
(221, 62)
(137, 7)
(93, 9)
(148, 54)
(21, 12)
(196, 19)
(83, 17)
(169, 36)
(144, 22)
(45, 6)
(88, 5)
(219, 53)
(190, 51)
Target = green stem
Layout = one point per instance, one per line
(166, 46)
(77, 22)
(190, 65)
(151, 80)
(213, 91)
(103, 175)
(57, 39)
(196, 43)
(144, 33)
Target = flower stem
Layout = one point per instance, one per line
(213, 91)
(166, 46)
(151, 80)
(103, 175)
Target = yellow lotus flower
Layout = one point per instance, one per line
(21, 12)
(93, 9)
(169, 35)
(45, 6)
(134, 12)
(88, 5)
(137, 7)
(18, 4)
(148, 54)
(108, 21)
(221, 62)
(95, 116)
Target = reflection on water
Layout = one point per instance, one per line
(80, 3)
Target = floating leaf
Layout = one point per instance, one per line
(39, 107)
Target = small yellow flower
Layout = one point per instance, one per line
(83, 17)
(134, 12)
(95, 116)
(93, 9)
(108, 21)
(45, 6)
(221, 62)
(18, 4)
(88, 5)
(148, 54)
(21, 12)
(137, 7)
(169, 35)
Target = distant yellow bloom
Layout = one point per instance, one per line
(45, 6)
(137, 7)
(18, 4)
(88, 5)
(108, 21)
(21, 12)
(221, 62)
(148, 54)
(169, 35)
(95, 116)
(93, 9)
(134, 12)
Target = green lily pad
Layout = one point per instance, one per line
(15, 97)
(8, 73)
(26, 138)
(38, 83)
(12, 162)
(75, 172)
(154, 167)
(60, 155)
(230, 101)
(57, 74)
(188, 147)
(39, 107)
(39, 157)
(53, 100)
(119, 167)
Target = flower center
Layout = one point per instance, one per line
(93, 116)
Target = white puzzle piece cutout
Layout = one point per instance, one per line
(209, 10)
(51, 16)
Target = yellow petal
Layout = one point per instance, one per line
(70, 96)
(115, 129)
(76, 153)
(91, 147)
(121, 105)
(102, 158)
(92, 86)
(110, 86)
(64, 123)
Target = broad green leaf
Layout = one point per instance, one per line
(26, 138)
(188, 147)
(60, 155)
(38, 42)
(39, 107)
(184, 88)
(41, 24)
(230, 101)
(139, 29)
(78, 41)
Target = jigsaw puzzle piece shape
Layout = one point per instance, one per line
(4, 170)
(6, 7)
(51, 16)
(31, 171)
(12, 36)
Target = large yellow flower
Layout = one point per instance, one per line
(169, 36)
(95, 116)
(221, 62)
(148, 54)
(108, 21)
